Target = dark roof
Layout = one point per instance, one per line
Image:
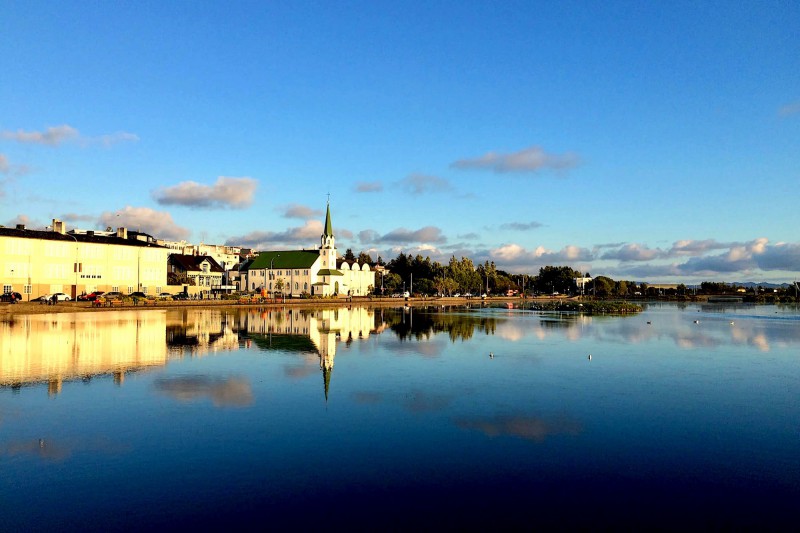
(191, 263)
(284, 259)
(79, 237)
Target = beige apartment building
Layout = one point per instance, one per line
(38, 262)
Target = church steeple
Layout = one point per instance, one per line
(328, 225)
(327, 237)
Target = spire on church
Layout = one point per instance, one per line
(327, 241)
(328, 225)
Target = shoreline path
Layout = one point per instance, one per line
(36, 308)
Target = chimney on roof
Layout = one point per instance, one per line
(122, 233)
(59, 226)
(20, 226)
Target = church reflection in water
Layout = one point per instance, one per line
(53, 348)
(314, 332)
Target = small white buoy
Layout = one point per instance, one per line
(731, 323)
(590, 357)
(491, 355)
(696, 321)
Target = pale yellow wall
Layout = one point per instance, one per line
(48, 266)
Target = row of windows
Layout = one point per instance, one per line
(296, 286)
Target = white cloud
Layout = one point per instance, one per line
(511, 255)
(56, 135)
(690, 247)
(295, 238)
(530, 159)
(633, 252)
(159, 224)
(12, 170)
(420, 184)
(52, 136)
(234, 193)
(428, 234)
(521, 226)
(114, 138)
(299, 211)
(369, 186)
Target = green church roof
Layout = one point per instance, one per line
(285, 259)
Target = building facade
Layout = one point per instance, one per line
(39, 262)
(201, 271)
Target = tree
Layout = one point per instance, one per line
(279, 284)
(556, 279)
(464, 274)
(364, 258)
(603, 286)
(392, 282)
(621, 288)
(349, 256)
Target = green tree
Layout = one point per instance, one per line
(349, 256)
(603, 286)
(559, 279)
(364, 258)
(392, 283)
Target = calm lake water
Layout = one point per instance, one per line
(683, 416)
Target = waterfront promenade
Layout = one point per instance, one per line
(30, 308)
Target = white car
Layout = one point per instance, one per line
(60, 297)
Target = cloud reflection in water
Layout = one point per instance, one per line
(223, 392)
(532, 428)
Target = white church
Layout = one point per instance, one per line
(316, 272)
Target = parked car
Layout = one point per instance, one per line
(11, 296)
(92, 296)
(138, 294)
(113, 295)
(165, 296)
(60, 297)
(180, 296)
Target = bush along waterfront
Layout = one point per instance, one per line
(595, 307)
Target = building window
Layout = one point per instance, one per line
(158, 290)
(305, 286)
(296, 285)
(6, 288)
(114, 288)
(296, 272)
(130, 289)
(27, 289)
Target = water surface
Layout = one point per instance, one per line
(397, 418)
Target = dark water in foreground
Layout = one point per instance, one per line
(399, 419)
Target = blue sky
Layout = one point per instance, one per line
(652, 141)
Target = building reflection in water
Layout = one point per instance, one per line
(52, 348)
(314, 332)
